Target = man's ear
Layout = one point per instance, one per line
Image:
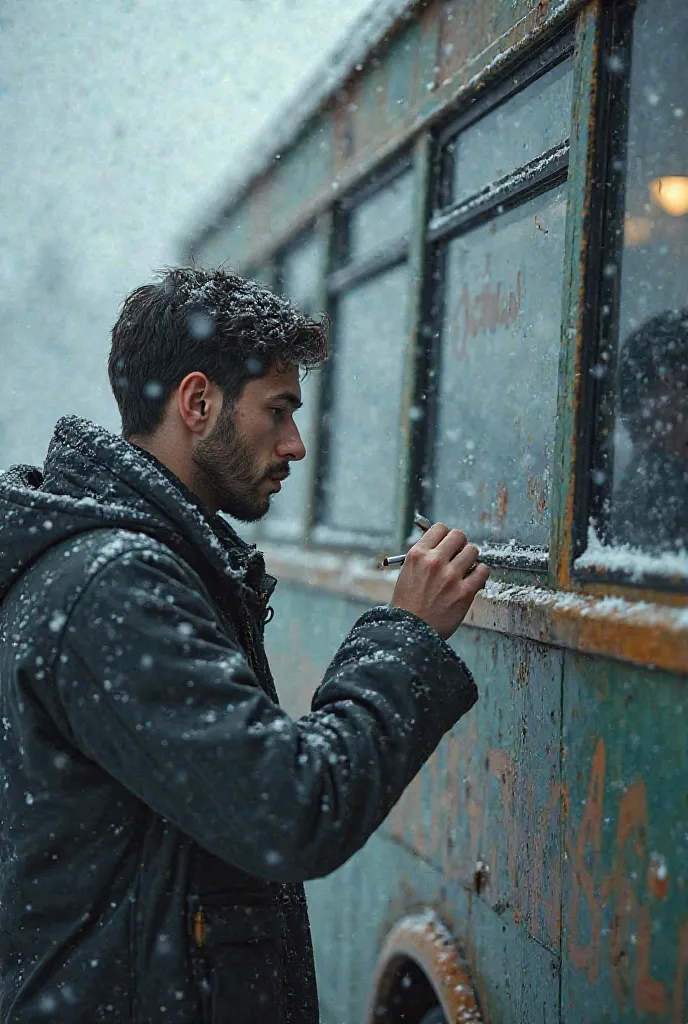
(198, 402)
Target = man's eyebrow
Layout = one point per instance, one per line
(287, 396)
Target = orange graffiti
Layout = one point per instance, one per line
(487, 309)
(631, 922)
(589, 838)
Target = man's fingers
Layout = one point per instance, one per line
(450, 546)
(433, 537)
(479, 577)
(465, 559)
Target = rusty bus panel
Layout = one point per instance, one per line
(377, 106)
(526, 813)
(626, 843)
(487, 808)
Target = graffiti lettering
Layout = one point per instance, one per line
(484, 311)
(457, 791)
(630, 935)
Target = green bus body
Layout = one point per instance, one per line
(549, 832)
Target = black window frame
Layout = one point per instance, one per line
(449, 221)
(594, 461)
(344, 275)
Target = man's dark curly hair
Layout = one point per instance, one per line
(652, 362)
(212, 321)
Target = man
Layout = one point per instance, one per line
(650, 496)
(160, 811)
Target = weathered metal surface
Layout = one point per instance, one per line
(500, 834)
(380, 102)
(626, 844)
(487, 808)
(353, 911)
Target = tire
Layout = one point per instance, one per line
(434, 1017)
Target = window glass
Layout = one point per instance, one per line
(368, 370)
(382, 219)
(649, 486)
(499, 367)
(528, 124)
(301, 270)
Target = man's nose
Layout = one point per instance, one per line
(292, 447)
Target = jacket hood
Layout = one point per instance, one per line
(94, 479)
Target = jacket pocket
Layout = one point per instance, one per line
(238, 960)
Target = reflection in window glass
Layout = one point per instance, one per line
(301, 271)
(366, 401)
(649, 494)
(529, 124)
(383, 218)
(499, 366)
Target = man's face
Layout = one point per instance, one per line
(242, 461)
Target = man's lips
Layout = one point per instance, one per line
(277, 480)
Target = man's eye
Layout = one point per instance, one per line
(278, 413)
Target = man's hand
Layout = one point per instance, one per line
(436, 582)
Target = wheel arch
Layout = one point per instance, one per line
(421, 942)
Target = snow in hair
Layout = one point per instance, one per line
(223, 302)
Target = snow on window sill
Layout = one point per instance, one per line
(631, 561)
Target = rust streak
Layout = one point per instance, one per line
(678, 1016)
(586, 956)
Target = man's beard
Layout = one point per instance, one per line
(228, 472)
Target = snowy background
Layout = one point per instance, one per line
(120, 123)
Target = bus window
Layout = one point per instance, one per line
(640, 472)
(502, 252)
(367, 373)
(534, 121)
(376, 222)
(301, 269)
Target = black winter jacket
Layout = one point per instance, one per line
(159, 812)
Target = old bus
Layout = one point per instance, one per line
(489, 198)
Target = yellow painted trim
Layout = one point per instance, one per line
(631, 627)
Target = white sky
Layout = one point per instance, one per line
(120, 122)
